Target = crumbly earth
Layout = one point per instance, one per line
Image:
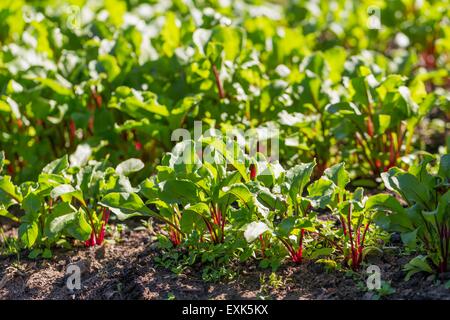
(126, 269)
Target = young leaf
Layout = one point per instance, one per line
(10, 189)
(417, 264)
(321, 192)
(321, 252)
(126, 205)
(179, 191)
(57, 166)
(193, 216)
(32, 204)
(79, 227)
(285, 227)
(239, 192)
(413, 190)
(62, 215)
(66, 192)
(298, 177)
(81, 155)
(384, 202)
(5, 213)
(129, 166)
(338, 175)
(410, 239)
(28, 233)
(231, 152)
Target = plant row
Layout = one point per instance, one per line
(280, 213)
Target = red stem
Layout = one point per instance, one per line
(263, 247)
(349, 221)
(344, 228)
(300, 248)
(72, 131)
(218, 82)
(391, 151)
(361, 245)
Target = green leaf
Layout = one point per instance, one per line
(66, 192)
(443, 208)
(447, 285)
(193, 216)
(5, 107)
(321, 192)
(61, 216)
(385, 202)
(232, 153)
(126, 205)
(129, 166)
(384, 121)
(170, 34)
(361, 94)
(408, 186)
(178, 114)
(5, 213)
(79, 227)
(148, 107)
(389, 213)
(232, 39)
(179, 191)
(139, 105)
(10, 189)
(32, 204)
(421, 173)
(417, 264)
(298, 177)
(413, 190)
(269, 173)
(271, 201)
(321, 252)
(344, 108)
(444, 167)
(200, 37)
(110, 66)
(81, 155)
(239, 191)
(410, 239)
(34, 253)
(51, 180)
(388, 181)
(149, 189)
(28, 233)
(55, 86)
(47, 254)
(338, 175)
(57, 166)
(285, 227)
(201, 209)
(183, 159)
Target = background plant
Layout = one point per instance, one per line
(424, 223)
(63, 202)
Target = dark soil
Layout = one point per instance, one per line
(126, 270)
